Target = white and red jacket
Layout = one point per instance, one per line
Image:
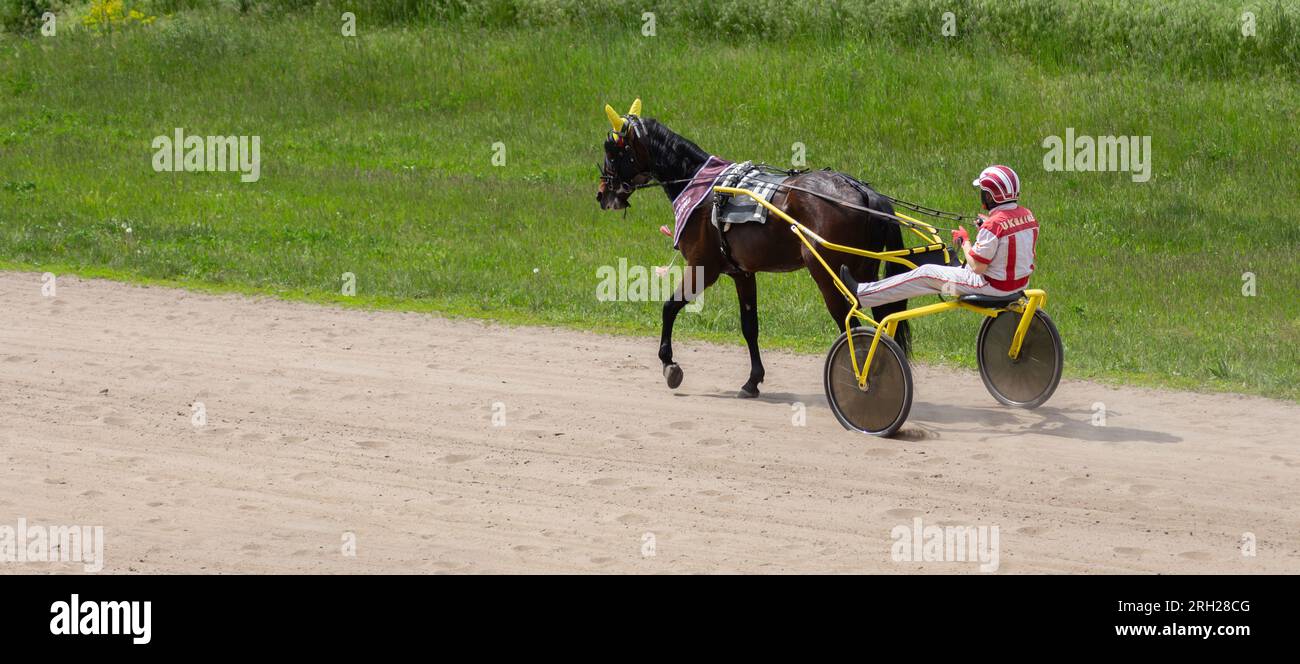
(1006, 244)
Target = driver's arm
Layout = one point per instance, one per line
(973, 261)
(980, 254)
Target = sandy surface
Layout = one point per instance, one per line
(323, 422)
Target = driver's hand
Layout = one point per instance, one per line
(960, 236)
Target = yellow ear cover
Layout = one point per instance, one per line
(614, 119)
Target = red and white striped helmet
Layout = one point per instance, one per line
(1001, 182)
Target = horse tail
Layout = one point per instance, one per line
(891, 235)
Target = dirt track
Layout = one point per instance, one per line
(323, 421)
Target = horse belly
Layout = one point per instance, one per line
(767, 247)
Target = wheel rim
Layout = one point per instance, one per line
(881, 405)
(1028, 377)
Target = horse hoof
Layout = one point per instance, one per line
(673, 374)
(747, 392)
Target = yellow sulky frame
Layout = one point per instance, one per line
(1034, 299)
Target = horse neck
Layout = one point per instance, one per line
(673, 158)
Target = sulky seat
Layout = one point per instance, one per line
(992, 301)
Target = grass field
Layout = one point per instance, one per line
(377, 159)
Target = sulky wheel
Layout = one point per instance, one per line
(1029, 380)
(880, 409)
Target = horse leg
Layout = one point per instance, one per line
(837, 305)
(694, 280)
(903, 333)
(893, 239)
(672, 372)
(747, 292)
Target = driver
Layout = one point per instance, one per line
(999, 263)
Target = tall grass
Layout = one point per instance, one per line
(1196, 36)
(377, 161)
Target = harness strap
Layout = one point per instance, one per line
(827, 197)
(725, 248)
(641, 153)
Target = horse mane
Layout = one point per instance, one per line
(676, 152)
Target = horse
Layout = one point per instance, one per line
(642, 152)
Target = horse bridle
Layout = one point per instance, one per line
(640, 154)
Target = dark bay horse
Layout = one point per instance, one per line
(641, 151)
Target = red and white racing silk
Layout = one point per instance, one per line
(1006, 244)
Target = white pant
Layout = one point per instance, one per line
(925, 280)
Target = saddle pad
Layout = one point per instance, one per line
(740, 209)
(697, 191)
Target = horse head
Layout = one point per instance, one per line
(627, 159)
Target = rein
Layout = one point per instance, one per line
(927, 211)
(640, 153)
(931, 212)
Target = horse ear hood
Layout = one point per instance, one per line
(636, 108)
(614, 118)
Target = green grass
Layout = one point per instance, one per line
(376, 160)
